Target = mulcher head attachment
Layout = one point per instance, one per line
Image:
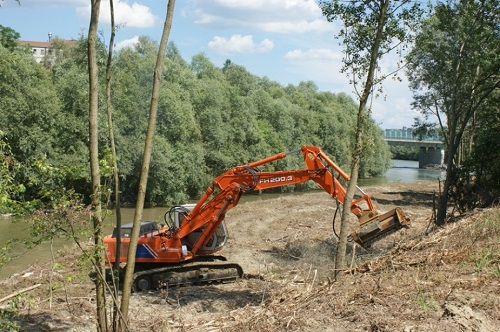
(375, 226)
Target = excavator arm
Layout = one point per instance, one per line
(226, 190)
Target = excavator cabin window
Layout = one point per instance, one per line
(146, 227)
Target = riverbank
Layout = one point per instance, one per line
(420, 279)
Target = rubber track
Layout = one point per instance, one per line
(161, 276)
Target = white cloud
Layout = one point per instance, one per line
(317, 54)
(294, 26)
(239, 44)
(44, 3)
(321, 65)
(393, 110)
(281, 16)
(295, 7)
(127, 15)
(127, 43)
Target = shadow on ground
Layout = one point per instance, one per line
(205, 295)
(423, 199)
(41, 322)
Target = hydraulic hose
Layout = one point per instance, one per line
(255, 179)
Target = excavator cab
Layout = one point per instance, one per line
(175, 218)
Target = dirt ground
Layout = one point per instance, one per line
(418, 279)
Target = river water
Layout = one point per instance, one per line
(403, 171)
(16, 228)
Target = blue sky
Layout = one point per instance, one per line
(288, 41)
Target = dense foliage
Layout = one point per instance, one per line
(8, 37)
(210, 119)
(404, 152)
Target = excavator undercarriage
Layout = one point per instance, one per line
(201, 271)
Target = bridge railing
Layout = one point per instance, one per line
(415, 138)
(407, 134)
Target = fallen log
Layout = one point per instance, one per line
(24, 290)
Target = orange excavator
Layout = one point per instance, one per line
(183, 249)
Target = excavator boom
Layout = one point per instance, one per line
(320, 169)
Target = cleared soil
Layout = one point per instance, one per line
(418, 279)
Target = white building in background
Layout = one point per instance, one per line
(41, 49)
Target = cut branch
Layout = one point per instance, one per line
(24, 290)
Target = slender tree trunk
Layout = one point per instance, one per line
(345, 229)
(127, 282)
(109, 112)
(452, 152)
(443, 200)
(94, 166)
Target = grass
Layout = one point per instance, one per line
(426, 303)
(485, 259)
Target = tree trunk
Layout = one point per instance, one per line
(94, 166)
(118, 225)
(127, 282)
(345, 229)
(453, 147)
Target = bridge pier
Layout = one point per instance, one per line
(430, 156)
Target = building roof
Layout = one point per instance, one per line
(45, 44)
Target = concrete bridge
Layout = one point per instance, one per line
(431, 146)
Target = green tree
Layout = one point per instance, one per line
(453, 71)
(337, 127)
(404, 152)
(71, 83)
(376, 157)
(239, 78)
(8, 37)
(9, 189)
(211, 104)
(275, 121)
(30, 107)
(371, 29)
(131, 89)
(34, 123)
(483, 165)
